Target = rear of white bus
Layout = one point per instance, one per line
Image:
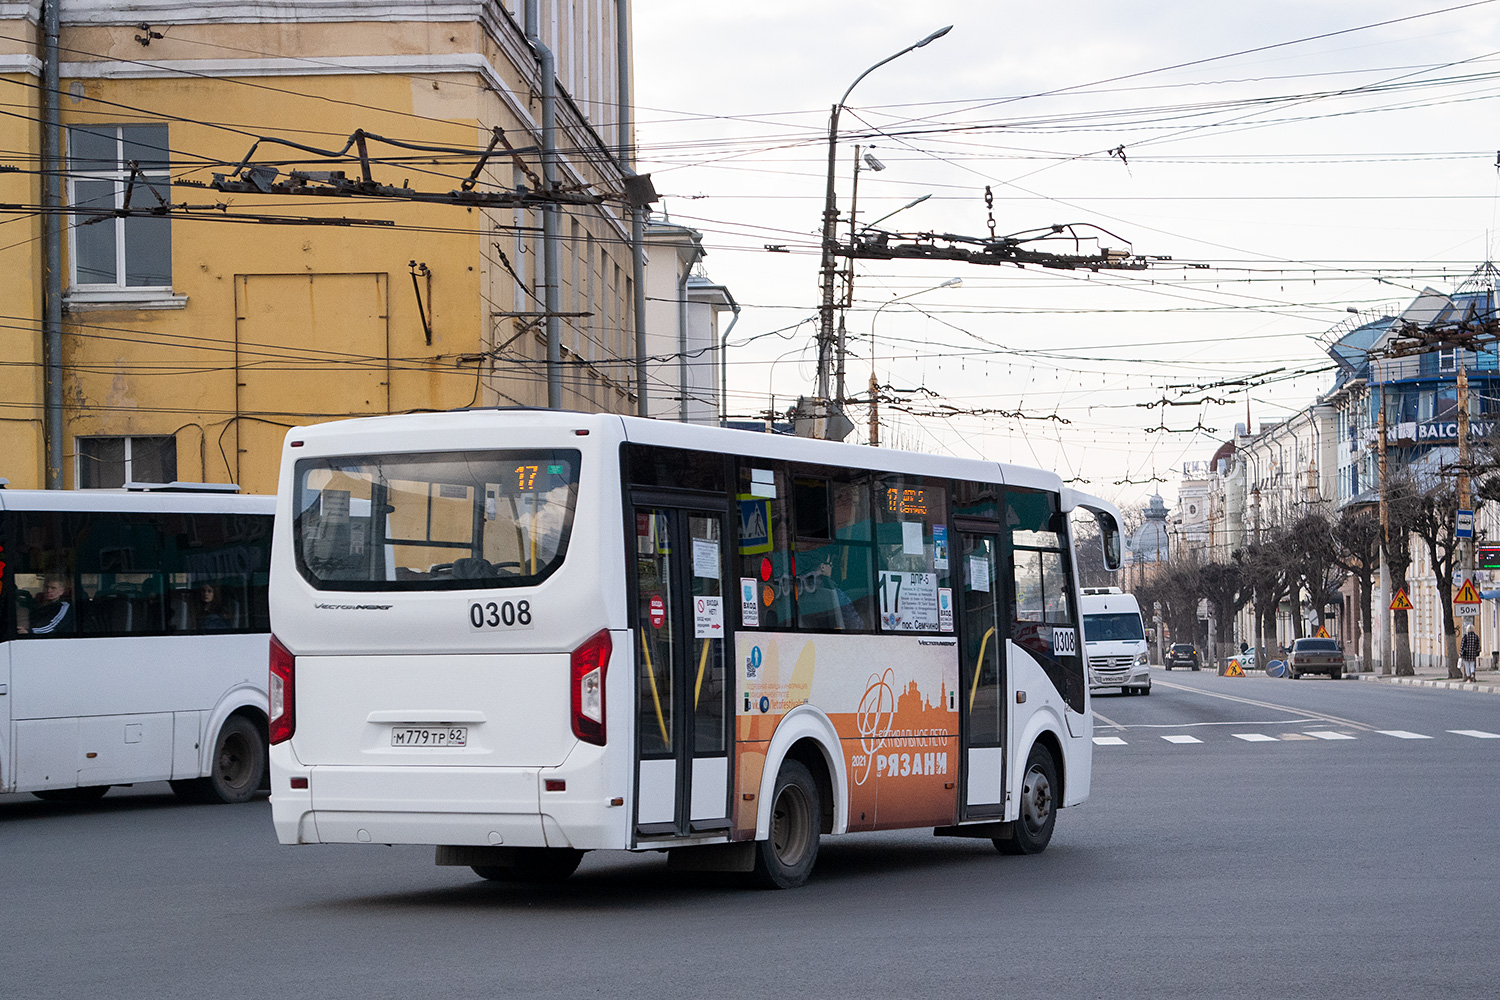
(448, 608)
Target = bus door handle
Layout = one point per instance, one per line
(2, 688)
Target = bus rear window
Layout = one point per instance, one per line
(434, 521)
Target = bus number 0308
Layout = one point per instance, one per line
(500, 614)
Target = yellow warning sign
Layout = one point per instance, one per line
(1323, 632)
(1233, 670)
(1467, 594)
(1401, 602)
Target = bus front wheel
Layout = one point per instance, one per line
(536, 865)
(1032, 830)
(785, 859)
(236, 768)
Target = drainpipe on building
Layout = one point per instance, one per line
(551, 248)
(626, 156)
(682, 333)
(52, 168)
(724, 362)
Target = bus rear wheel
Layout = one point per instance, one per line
(785, 859)
(87, 793)
(238, 765)
(1032, 830)
(534, 865)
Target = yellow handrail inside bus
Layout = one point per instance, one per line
(702, 662)
(978, 666)
(661, 721)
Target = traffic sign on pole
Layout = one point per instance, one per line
(1400, 602)
(1466, 603)
(1463, 525)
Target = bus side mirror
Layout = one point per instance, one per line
(1109, 538)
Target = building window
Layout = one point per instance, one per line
(109, 164)
(111, 462)
(1448, 361)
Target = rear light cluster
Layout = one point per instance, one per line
(590, 662)
(283, 692)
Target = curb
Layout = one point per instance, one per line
(1423, 682)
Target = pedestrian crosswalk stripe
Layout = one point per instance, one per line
(1478, 734)
(1328, 734)
(1402, 734)
(1295, 736)
(1109, 741)
(1182, 739)
(1254, 737)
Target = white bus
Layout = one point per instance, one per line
(1114, 638)
(520, 635)
(133, 632)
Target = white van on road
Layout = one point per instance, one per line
(1115, 640)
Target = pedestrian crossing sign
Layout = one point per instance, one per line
(1323, 632)
(1467, 594)
(1401, 602)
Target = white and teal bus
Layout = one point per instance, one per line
(520, 635)
(133, 632)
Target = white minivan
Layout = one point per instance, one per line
(1115, 639)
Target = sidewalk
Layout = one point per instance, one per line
(1437, 677)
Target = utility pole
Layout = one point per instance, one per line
(1465, 545)
(1385, 537)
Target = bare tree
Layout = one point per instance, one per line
(1401, 502)
(1356, 537)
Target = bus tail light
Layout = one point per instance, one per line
(589, 664)
(283, 692)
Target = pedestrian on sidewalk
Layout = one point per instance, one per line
(1468, 651)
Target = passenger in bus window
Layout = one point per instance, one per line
(212, 611)
(822, 603)
(53, 614)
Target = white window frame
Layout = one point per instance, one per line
(82, 296)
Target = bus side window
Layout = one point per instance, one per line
(834, 566)
(911, 542)
(765, 544)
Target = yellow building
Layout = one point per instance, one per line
(192, 339)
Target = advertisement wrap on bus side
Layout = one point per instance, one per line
(897, 718)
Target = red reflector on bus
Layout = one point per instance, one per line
(556, 785)
(299, 782)
(283, 692)
(581, 433)
(590, 662)
(295, 444)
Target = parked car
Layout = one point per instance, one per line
(1182, 654)
(1316, 656)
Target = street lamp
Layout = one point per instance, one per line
(874, 383)
(830, 221)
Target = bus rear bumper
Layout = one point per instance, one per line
(480, 806)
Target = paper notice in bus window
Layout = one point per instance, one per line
(911, 538)
(706, 558)
(979, 574)
(945, 609)
(763, 483)
(939, 546)
(333, 505)
(708, 617)
(908, 601)
(749, 602)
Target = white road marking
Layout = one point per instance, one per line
(1109, 722)
(1478, 734)
(1328, 720)
(1325, 734)
(1295, 736)
(1182, 739)
(1255, 737)
(1108, 741)
(1402, 734)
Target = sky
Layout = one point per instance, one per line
(1315, 162)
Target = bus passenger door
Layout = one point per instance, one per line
(982, 635)
(7, 765)
(682, 699)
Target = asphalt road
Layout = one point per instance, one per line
(1288, 865)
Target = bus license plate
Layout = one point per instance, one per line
(430, 736)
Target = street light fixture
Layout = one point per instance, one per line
(911, 204)
(830, 221)
(874, 382)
